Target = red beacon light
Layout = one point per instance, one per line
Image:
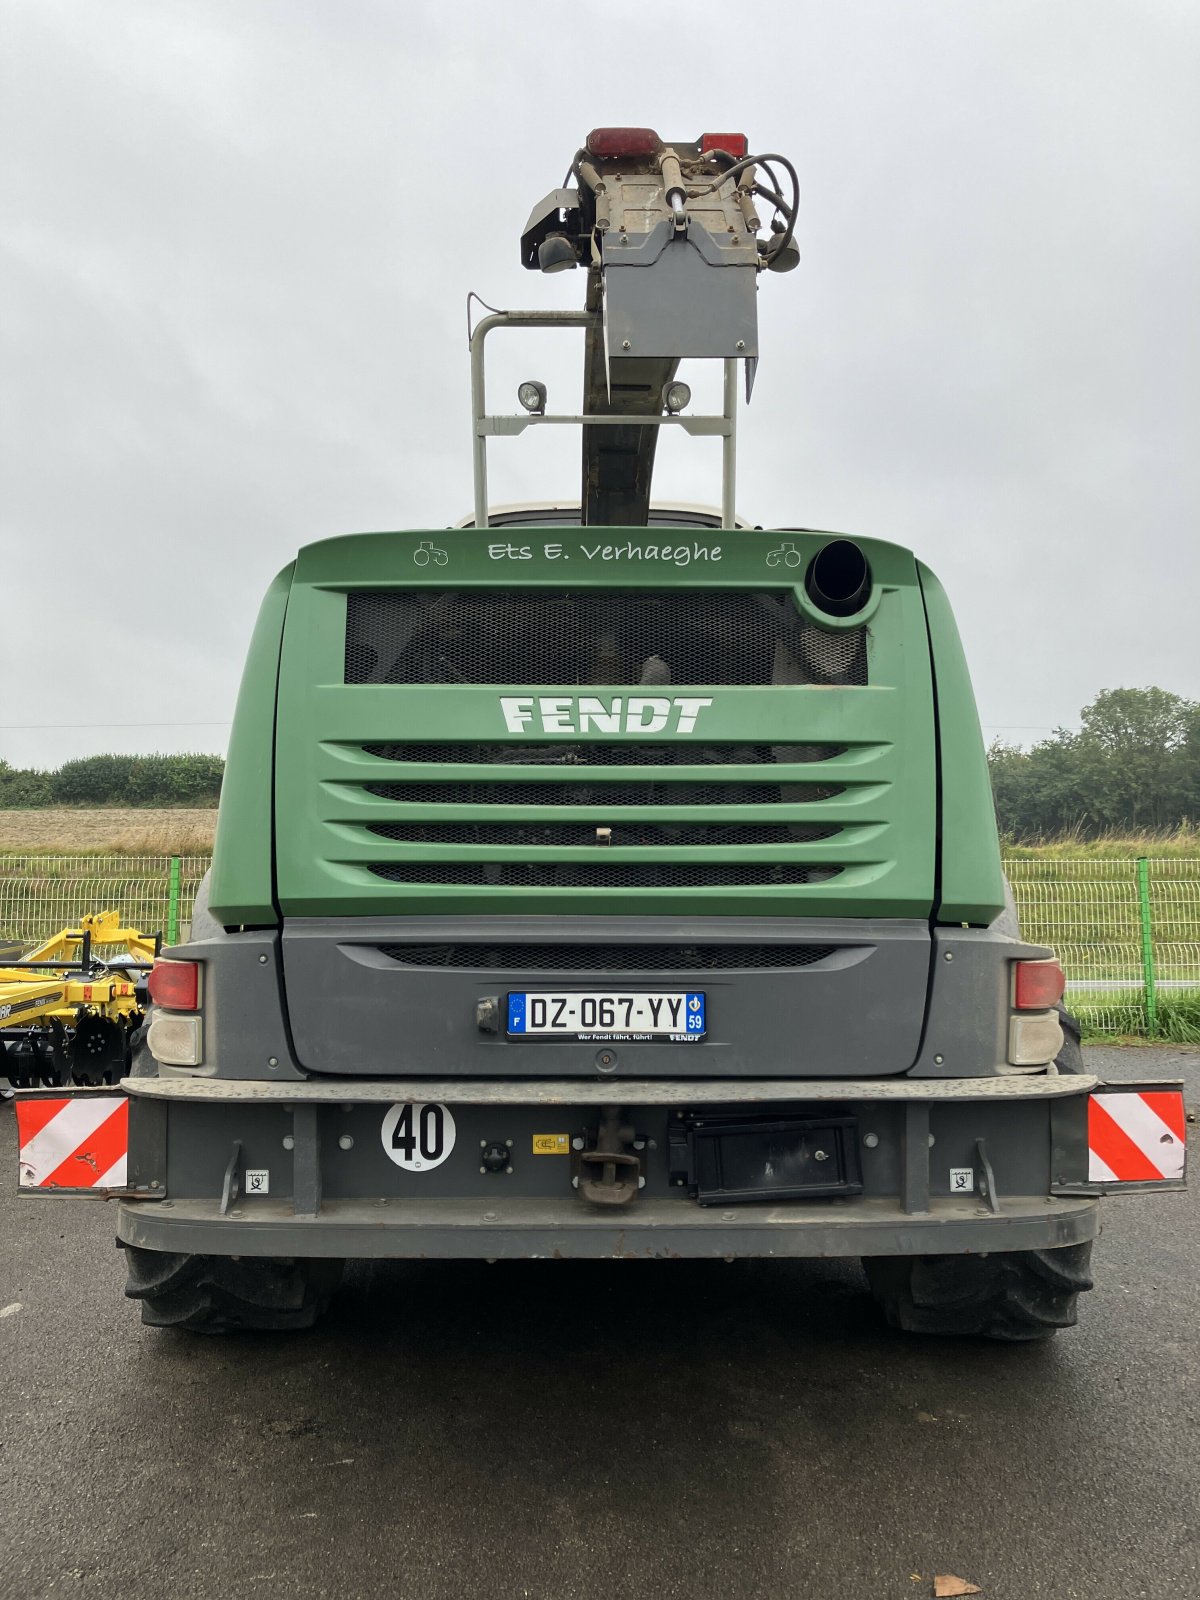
(609, 143)
(736, 144)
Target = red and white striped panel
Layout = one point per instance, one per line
(1136, 1136)
(76, 1142)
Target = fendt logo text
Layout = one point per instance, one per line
(588, 714)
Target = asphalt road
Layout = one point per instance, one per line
(562, 1430)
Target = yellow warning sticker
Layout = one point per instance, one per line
(551, 1144)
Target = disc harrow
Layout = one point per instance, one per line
(70, 1007)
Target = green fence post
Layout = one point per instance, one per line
(173, 901)
(1143, 867)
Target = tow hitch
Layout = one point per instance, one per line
(610, 1174)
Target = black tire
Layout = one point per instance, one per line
(141, 1063)
(229, 1294)
(1011, 1295)
(1070, 1057)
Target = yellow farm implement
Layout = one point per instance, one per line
(69, 1013)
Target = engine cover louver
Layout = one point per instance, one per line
(488, 737)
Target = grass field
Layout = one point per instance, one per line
(1182, 843)
(108, 830)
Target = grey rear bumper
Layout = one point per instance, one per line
(526, 1228)
(334, 1191)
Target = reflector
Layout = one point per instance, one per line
(175, 1041)
(175, 985)
(1038, 985)
(1034, 1041)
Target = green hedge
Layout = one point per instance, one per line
(154, 780)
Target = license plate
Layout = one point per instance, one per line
(674, 1015)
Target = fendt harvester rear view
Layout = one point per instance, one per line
(613, 879)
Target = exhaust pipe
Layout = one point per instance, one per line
(838, 580)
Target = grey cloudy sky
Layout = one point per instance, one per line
(237, 236)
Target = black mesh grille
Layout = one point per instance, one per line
(608, 755)
(594, 636)
(608, 957)
(650, 834)
(601, 792)
(611, 875)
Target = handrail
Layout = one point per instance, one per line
(484, 426)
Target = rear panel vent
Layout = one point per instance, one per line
(594, 637)
(599, 958)
(604, 875)
(645, 835)
(601, 792)
(557, 754)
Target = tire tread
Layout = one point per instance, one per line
(228, 1294)
(1010, 1295)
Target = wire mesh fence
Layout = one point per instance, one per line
(39, 894)
(1127, 932)
(1128, 935)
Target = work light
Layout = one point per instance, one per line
(676, 396)
(532, 396)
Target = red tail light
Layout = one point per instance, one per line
(1038, 985)
(736, 143)
(609, 142)
(175, 985)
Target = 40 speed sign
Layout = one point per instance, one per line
(418, 1136)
